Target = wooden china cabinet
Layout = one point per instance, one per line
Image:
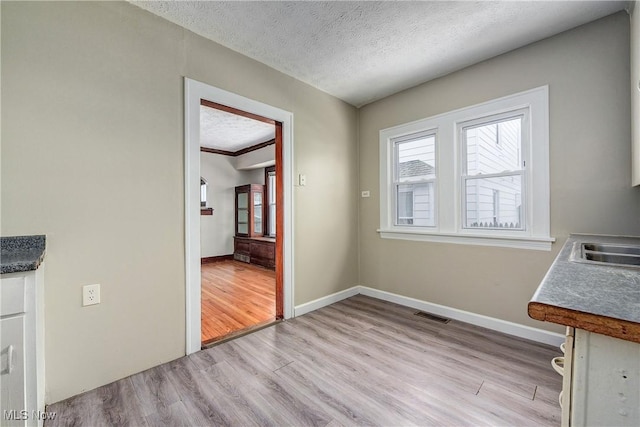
(250, 245)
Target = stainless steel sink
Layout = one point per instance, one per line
(612, 249)
(606, 254)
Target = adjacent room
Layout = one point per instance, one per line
(320, 213)
(238, 222)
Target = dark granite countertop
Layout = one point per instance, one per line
(599, 298)
(21, 253)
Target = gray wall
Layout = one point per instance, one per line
(587, 70)
(92, 156)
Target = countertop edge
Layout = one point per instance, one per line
(32, 250)
(616, 328)
(22, 267)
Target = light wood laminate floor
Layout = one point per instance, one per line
(360, 361)
(235, 296)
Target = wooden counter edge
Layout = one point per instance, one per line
(617, 328)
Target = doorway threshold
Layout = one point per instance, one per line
(240, 333)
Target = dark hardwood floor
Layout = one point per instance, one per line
(235, 296)
(357, 362)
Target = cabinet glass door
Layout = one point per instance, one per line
(249, 210)
(257, 213)
(243, 213)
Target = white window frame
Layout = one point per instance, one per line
(448, 187)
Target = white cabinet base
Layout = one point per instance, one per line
(12, 376)
(605, 382)
(22, 348)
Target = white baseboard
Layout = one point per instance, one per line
(499, 325)
(307, 307)
(492, 323)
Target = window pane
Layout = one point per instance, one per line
(494, 148)
(415, 204)
(271, 203)
(405, 206)
(243, 200)
(494, 202)
(272, 220)
(272, 187)
(416, 159)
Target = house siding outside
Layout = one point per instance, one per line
(494, 202)
(416, 161)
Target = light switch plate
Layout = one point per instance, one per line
(366, 193)
(302, 180)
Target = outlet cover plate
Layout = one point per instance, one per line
(90, 295)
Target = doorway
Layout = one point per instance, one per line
(283, 120)
(240, 182)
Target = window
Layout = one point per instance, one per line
(270, 180)
(492, 163)
(204, 210)
(405, 207)
(478, 175)
(203, 193)
(415, 176)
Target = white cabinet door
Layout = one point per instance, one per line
(12, 375)
(21, 340)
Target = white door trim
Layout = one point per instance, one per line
(194, 91)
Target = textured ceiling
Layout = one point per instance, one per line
(364, 51)
(231, 132)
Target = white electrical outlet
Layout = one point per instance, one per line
(302, 180)
(90, 295)
(366, 193)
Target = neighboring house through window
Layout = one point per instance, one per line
(405, 207)
(478, 175)
(493, 163)
(415, 177)
(496, 207)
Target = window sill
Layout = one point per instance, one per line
(516, 242)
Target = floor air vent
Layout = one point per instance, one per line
(433, 317)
